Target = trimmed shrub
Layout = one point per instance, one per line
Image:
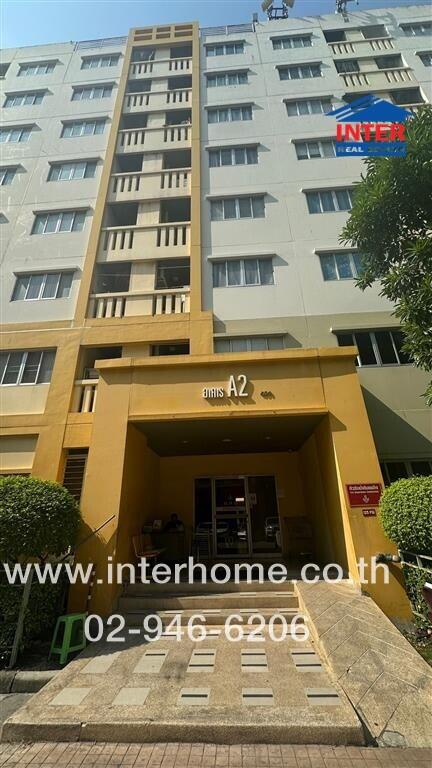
(406, 514)
(38, 519)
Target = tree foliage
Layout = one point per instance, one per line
(38, 518)
(406, 514)
(391, 225)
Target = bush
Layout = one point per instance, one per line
(406, 514)
(38, 518)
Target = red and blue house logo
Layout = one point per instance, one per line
(370, 127)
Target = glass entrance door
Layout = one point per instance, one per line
(231, 526)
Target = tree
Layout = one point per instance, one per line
(391, 225)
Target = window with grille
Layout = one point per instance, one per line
(347, 67)
(37, 285)
(84, 169)
(226, 79)
(230, 114)
(60, 221)
(380, 347)
(238, 272)
(78, 128)
(300, 71)
(311, 150)
(75, 467)
(248, 207)
(26, 367)
(249, 344)
(24, 99)
(233, 156)
(301, 107)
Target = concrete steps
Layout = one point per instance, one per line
(209, 588)
(212, 618)
(231, 601)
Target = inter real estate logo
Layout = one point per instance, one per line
(376, 127)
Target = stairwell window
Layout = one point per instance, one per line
(230, 114)
(300, 71)
(426, 58)
(310, 150)
(7, 176)
(376, 347)
(40, 68)
(249, 344)
(15, 135)
(69, 171)
(295, 41)
(96, 62)
(26, 367)
(91, 92)
(330, 200)
(78, 128)
(341, 265)
(60, 221)
(37, 286)
(417, 28)
(233, 156)
(224, 49)
(301, 107)
(24, 99)
(226, 79)
(250, 207)
(238, 272)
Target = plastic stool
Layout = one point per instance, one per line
(71, 639)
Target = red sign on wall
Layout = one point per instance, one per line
(360, 494)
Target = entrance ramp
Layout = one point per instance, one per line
(264, 688)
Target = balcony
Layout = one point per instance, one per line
(154, 100)
(151, 241)
(84, 396)
(361, 47)
(154, 139)
(134, 304)
(376, 79)
(160, 67)
(148, 185)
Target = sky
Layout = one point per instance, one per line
(35, 22)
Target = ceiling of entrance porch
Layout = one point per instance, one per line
(195, 437)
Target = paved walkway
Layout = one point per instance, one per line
(83, 754)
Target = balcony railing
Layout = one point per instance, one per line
(133, 140)
(136, 102)
(150, 185)
(145, 241)
(133, 304)
(376, 78)
(361, 46)
(84, 396)
(159, 67)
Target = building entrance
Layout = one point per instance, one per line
(238, 515)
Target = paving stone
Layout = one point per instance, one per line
(131, 697)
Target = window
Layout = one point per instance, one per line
(374, 31)
(249, 344)
(308, 107)
(341, 265)
(407, 96)
(233, 156)
(396, 470)
(83, 128)
(84, 169)
(3, 70)
(224, 49)
(389, 62)
(308, 150)
(227, 78)
(91, 92)
(376, 347)
(60, 221)
(48, 285)
(297, 41)
(329, 200)
(230, 114)
(32, 367)
(94, 62)
(7, 176)
(162, 350)
(172, 273)
(237, 208)
(300, 71)
(426, 58)
(235, 272)
(24, 99)
(41, 68)
(419, 28)
(14, 135)
(347, 66)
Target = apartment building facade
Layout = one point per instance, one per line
(181, 328)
